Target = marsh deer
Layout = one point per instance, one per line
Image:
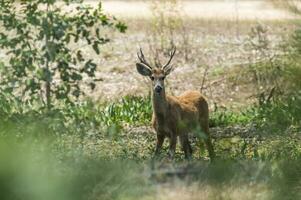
(175, 116)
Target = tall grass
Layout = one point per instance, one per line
(67, 154)
(34, 171)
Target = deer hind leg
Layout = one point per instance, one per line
(189, 147)
(208, 142)
(210, 148)
(186, 146)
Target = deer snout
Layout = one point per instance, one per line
(158, 88)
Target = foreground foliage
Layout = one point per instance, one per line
(102, 151)
(32, 170)
(122, 129)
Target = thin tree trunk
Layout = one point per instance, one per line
(47, 84)
(48, 89)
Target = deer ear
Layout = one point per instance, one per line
(168, 69)
(143, 69)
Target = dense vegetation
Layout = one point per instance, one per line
(55, 146)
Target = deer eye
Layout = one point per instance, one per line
(162, 78)
(152, 78)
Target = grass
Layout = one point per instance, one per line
(131, 110)
(121, 129)
(34, 171)
(103, 150)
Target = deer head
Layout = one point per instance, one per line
(156, 74)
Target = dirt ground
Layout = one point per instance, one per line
(210, 43)
(216, 33)
(205, 9)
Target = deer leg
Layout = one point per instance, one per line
(210, 147)
(186, 146)
(160, 140)
(208, 142)
(189, 147)
(172, 146)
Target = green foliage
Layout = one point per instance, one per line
(106, 118)
(81, 119)
(86, 150)
(108, 122)
(130, 110)
(32, 171)
(39, 37)
(6, 105)
(278, 115)
(279, 148)
(106, 127)
(286, 180)
(269, 148)
(297, 41)
(40, 160)
(281, 115)
(226, 117)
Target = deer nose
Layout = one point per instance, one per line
(158, 89)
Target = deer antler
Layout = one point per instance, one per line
(171, 54)
(142, 58)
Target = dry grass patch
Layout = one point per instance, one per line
(197, 191)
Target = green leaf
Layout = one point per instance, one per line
(89, 68)
(96, 48)
(76, 76)
(79, 56)
(121, 27)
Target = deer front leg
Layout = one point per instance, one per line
(172, 146)
(160, 140)
(186, 146)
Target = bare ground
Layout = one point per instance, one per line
(233, 9)
(217, 33)
(211, 45)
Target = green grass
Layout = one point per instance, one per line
(226, 117)
(130, 110)
(33, 170)
(88, 151)
(107, 129)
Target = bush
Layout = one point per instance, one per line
(45, 62)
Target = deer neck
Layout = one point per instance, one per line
(159, 104)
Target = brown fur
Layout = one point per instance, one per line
(183, 114)
(175, 116)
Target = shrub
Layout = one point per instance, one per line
(39, 37)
